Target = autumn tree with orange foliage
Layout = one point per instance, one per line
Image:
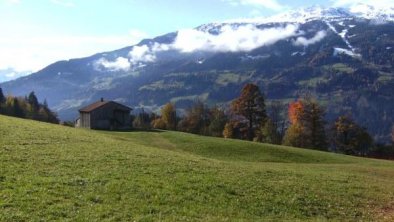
(307, 127)
(250, 105)
(296, 109)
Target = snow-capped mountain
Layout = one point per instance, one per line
(342, 55)
(381, 14)
(303, 15)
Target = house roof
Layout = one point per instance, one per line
(99, 104)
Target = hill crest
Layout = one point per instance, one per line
(345, 62)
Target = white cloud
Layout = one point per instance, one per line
(231, 39)
(190, 40)
(160, 47)
(120, 64)
(142, 54)
(302, 41)
(345, 52)
(269, 4)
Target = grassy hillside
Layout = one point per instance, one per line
(50, 172)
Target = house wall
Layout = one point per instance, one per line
(101, 118)
(85, 120)
(110, 116)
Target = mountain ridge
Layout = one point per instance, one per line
(345, 62)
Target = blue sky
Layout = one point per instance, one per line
(35, 33)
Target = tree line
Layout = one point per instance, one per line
(27, 107)
(300, 123)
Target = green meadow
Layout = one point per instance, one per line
(55, 173)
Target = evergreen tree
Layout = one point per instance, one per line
(33, 101)
(52, 116)
(2, 97)
(350, 138)
(314, 116)
(270, 133)
(28, 107)
(217, 122)
(276, 113)
(45, 104)
(2, 102)
(274, 128)
(17, 109)
(142, 121)
(250, 104)
(42, 115)
(196, 120)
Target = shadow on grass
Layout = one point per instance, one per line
(133, 130)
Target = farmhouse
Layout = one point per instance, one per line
(104, 115)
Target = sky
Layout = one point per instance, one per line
(36, 33)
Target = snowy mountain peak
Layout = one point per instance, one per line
(311, 13)
(303, 15)
(298, 16)
(378, 13)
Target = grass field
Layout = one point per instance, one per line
(50, 172)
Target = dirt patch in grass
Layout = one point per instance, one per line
(387, 213)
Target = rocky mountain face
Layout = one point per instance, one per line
(345, 57)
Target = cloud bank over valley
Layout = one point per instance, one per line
(243, 38)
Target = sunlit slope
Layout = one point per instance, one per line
(50, 172)
(232, 150)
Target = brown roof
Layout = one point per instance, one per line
(99, 104)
